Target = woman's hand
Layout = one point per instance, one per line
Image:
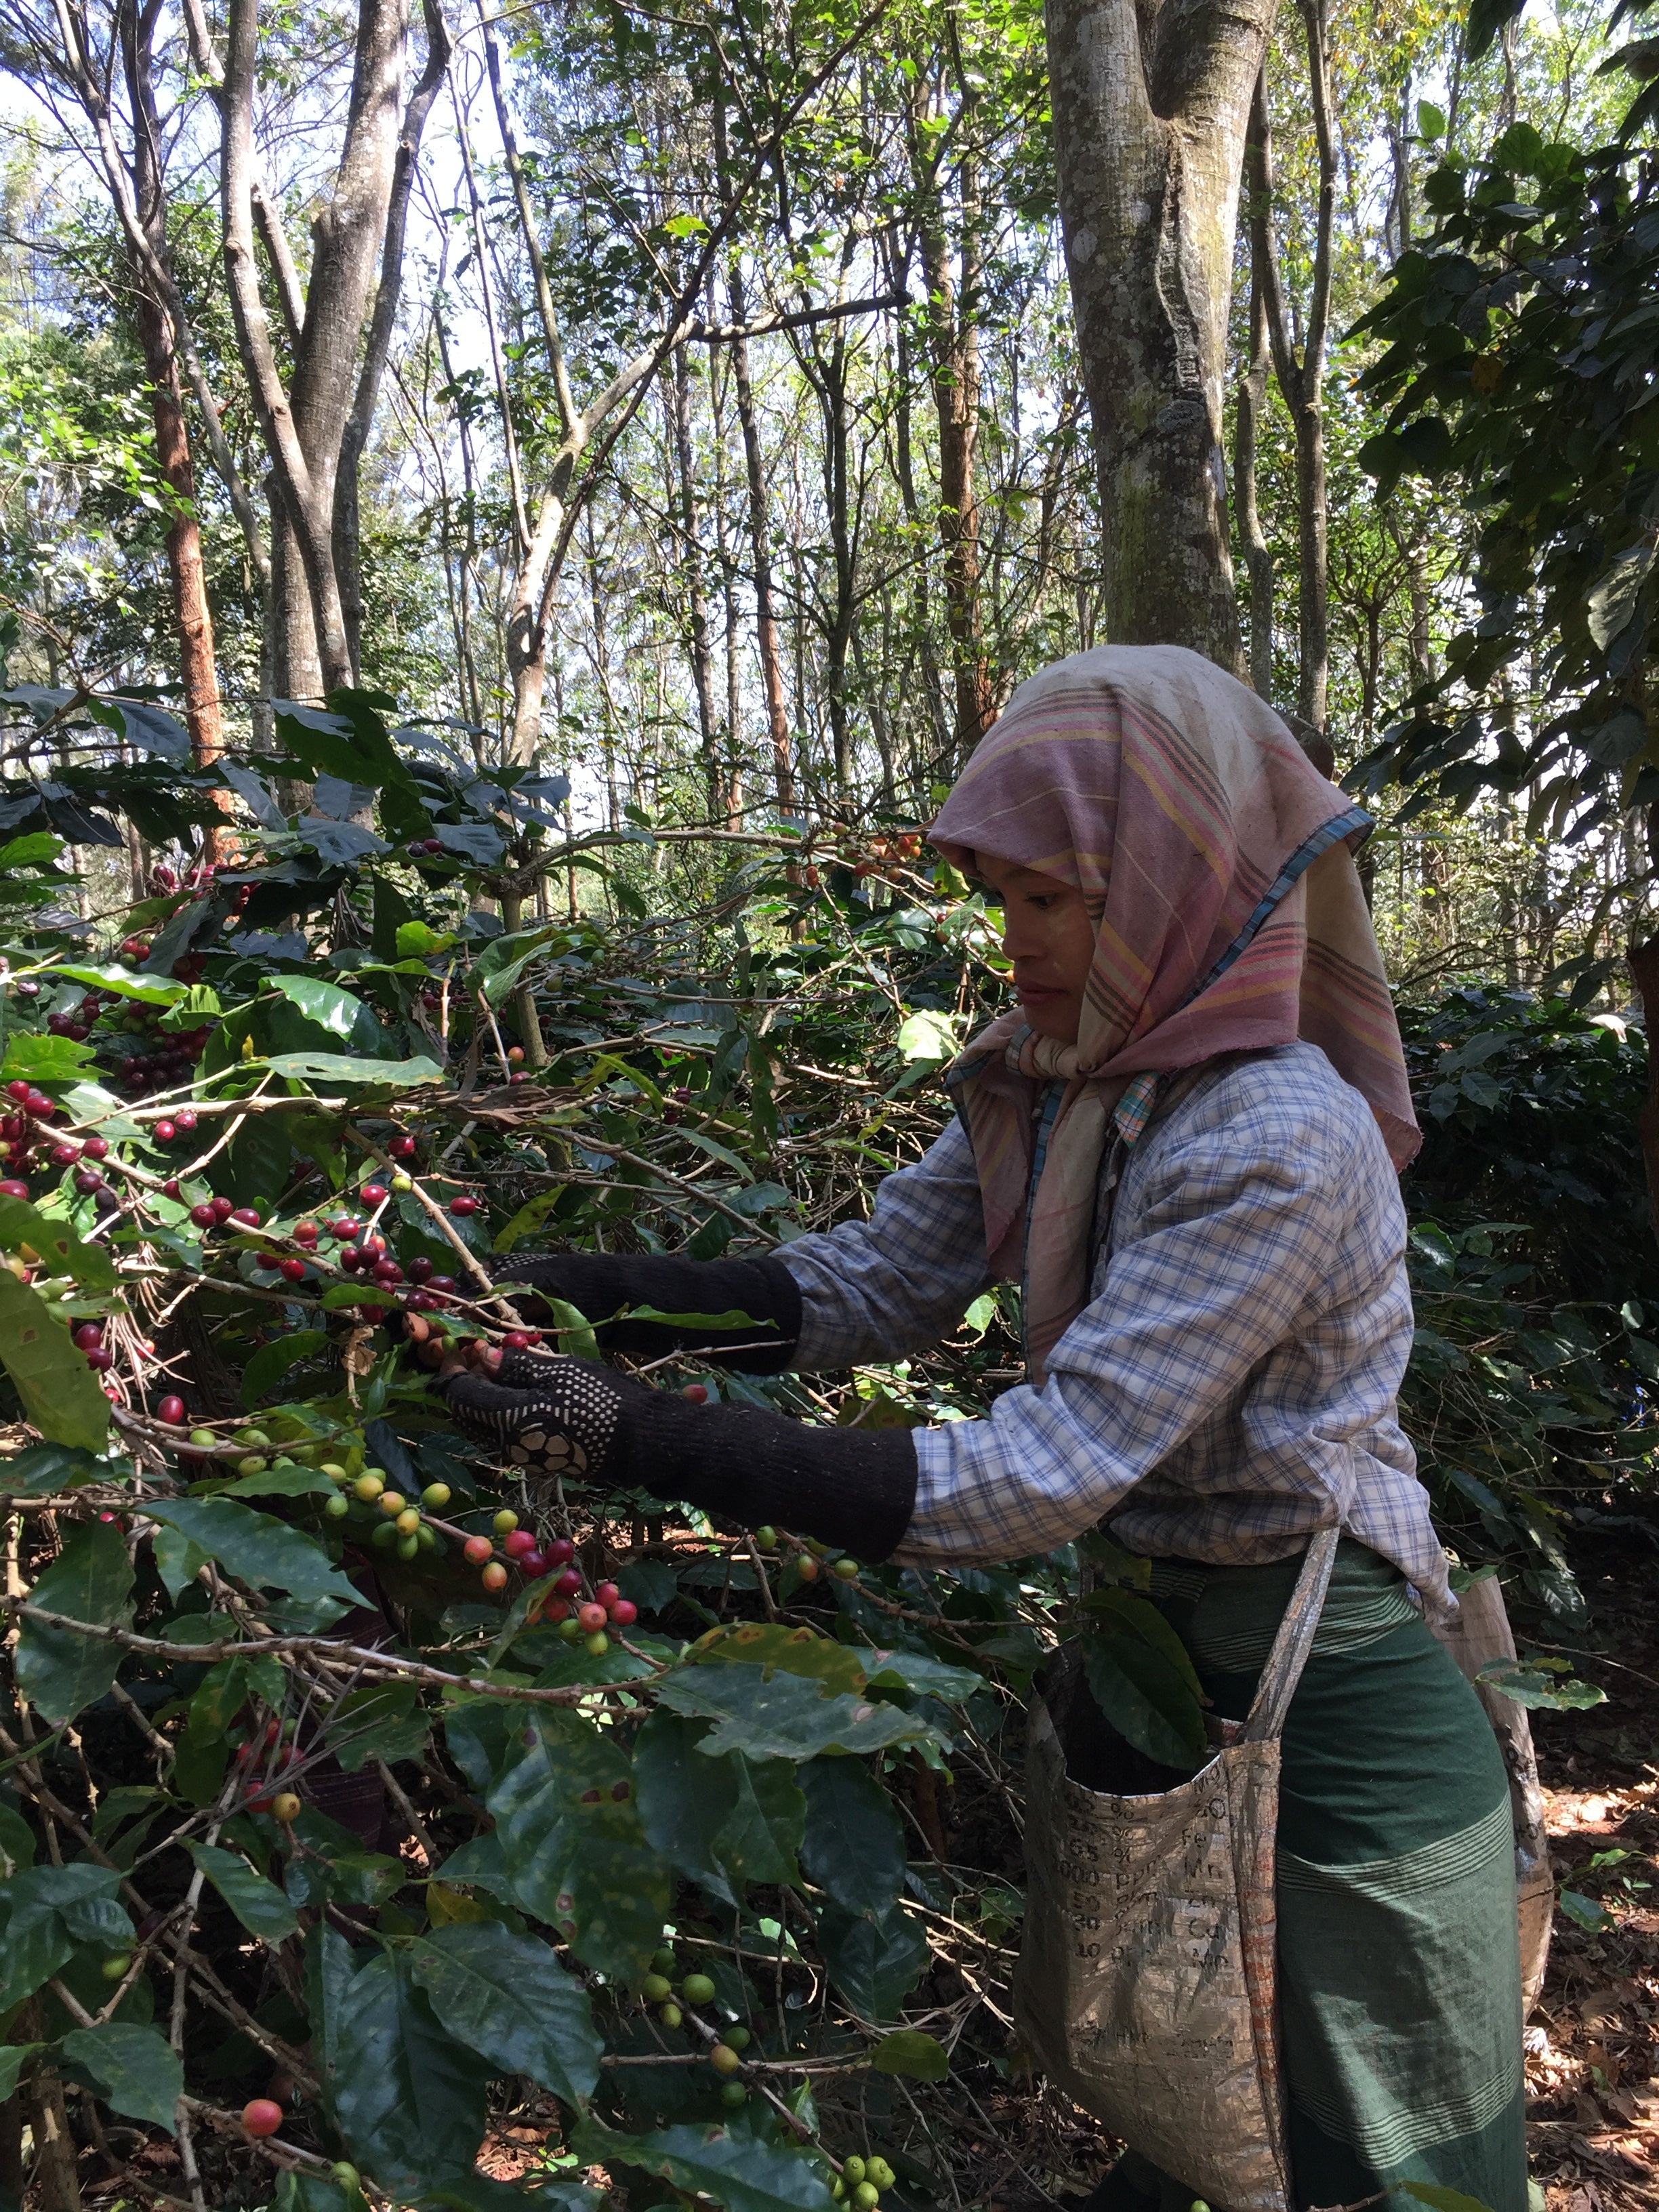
(544, 1413)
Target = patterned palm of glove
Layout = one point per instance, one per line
(557, 1416)
(549, 1415)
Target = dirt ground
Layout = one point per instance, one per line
(1593, 2101)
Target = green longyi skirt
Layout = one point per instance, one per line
(1400, 1977)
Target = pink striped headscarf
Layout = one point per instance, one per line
(1217, 863)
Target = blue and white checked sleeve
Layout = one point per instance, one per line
(878, 1288)
(1234, 1245)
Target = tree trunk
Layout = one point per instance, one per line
(898, 273)
(1149, 111)
(1302, 380)
(954, 373)
(1644, 973)
(192, 617)
(307, 427)
(703, 659)
(760, 554)
(1258, 555)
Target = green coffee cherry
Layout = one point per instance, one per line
(435, 1496)
(656, 1989)
(767, 1538)
(345, 2174)
(733, 2094)
(846, 1571)
(597, 1644)
(385, 1536)
(115, 1967)
(878, 2171)
(670, 2015)
(867, 2196)
(739, 2037)
(724, 2059)
(338, 1507)
(698, 1989)
(663, 1961)
(408, 1547)
(852, 2171)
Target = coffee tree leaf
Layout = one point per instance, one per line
(725, 1821)
(275, 1482)
(16, 1842)
(60, 1251)
(60, 1394)
(875, 1958)
(1116, 1608)
(34, 1941)
(780, 1649)
(13, 2057)
(136, 2069)
(921, 1671)
(572, 1327)
(908, 2053)
(258, 1904)
(1143, 1679)
(272, 1361)
(573, 1845)
(409, 2100)
(45, 1468)
(1537, 1689)
(786, 1717)
(506, 1997)
(738, 2170)
(384, 1720)
(1440, 2200)
(264, 1553)
(306, 2190)
(338, 1067)
(59, 1673)
(853, 1845)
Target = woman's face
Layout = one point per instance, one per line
(1048, 934)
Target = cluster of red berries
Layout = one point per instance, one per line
(214, 1212)
(170, 1128)
(88, 1337)
(22, 1131)
(259, 1748)
(562, 1605)
(164, 880)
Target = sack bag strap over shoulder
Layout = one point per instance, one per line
(1293, 1642)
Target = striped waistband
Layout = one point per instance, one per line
(1227, 1616)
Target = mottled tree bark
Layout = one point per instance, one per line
(953, 281)
(192, 617)
(1150, 105)
(1258, 554)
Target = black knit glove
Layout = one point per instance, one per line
(598, 1283)
(556, 1416)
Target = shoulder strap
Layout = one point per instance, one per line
(1293, 1642)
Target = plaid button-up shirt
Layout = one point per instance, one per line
(1230, 1387)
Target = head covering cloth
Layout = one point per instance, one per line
(1218, 866)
